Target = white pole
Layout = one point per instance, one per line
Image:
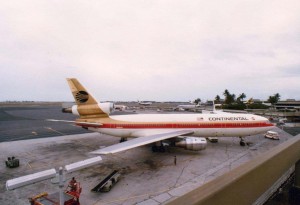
(61, 187)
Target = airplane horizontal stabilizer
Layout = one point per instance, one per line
(77, 122)
(53, 120)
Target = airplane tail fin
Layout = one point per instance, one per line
(80, 94)
(86, 104)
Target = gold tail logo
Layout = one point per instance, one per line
(82, 96)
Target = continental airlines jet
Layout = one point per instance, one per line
(183, 130)
(144, 103)
(190, 106)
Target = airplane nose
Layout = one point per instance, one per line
(267, 121)
(264, 118)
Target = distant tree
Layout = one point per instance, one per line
(197, 101)
(233, 97)
(257, 106)
(235, 106)
(229, 98)
(250, 101)
(274, 99)
(226, 93)
(217, 99)
(241, 98)
(277, 96)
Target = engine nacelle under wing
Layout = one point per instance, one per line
(106, 107)
(192, 143)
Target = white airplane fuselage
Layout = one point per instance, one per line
(145, 103)
(203, 125)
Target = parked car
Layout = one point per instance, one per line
(272, 135)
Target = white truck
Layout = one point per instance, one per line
(272, 135)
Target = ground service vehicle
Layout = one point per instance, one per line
(272, 135)
(71, 196)
(108, 182)
(12, 162)
(213, 139)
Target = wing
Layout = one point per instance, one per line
(136, 142)
(82, 124)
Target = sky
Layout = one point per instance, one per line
(161, 50)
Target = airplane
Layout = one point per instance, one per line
(120, 107)
(181, 130)
(188, 107)
(144, 103)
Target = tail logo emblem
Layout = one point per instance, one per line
(82, 96)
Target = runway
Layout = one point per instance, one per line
(147, 177)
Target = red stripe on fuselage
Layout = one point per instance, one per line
(180, 125)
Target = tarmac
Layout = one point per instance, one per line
(147, 177)
(21, 122)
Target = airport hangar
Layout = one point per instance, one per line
(147, 178)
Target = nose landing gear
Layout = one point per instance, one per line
(242, 142)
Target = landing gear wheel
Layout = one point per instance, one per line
(154, 148)
(123, 139)
(242, 143)
(158, 149)
(162, 149)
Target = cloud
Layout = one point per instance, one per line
(160, 50)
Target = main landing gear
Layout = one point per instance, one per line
(123, 139)
(158, 147)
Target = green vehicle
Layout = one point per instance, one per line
(12, 162)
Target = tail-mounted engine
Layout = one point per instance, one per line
(106, 107)
(192, 143)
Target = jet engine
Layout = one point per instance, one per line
(192, 143)
(106, 107)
